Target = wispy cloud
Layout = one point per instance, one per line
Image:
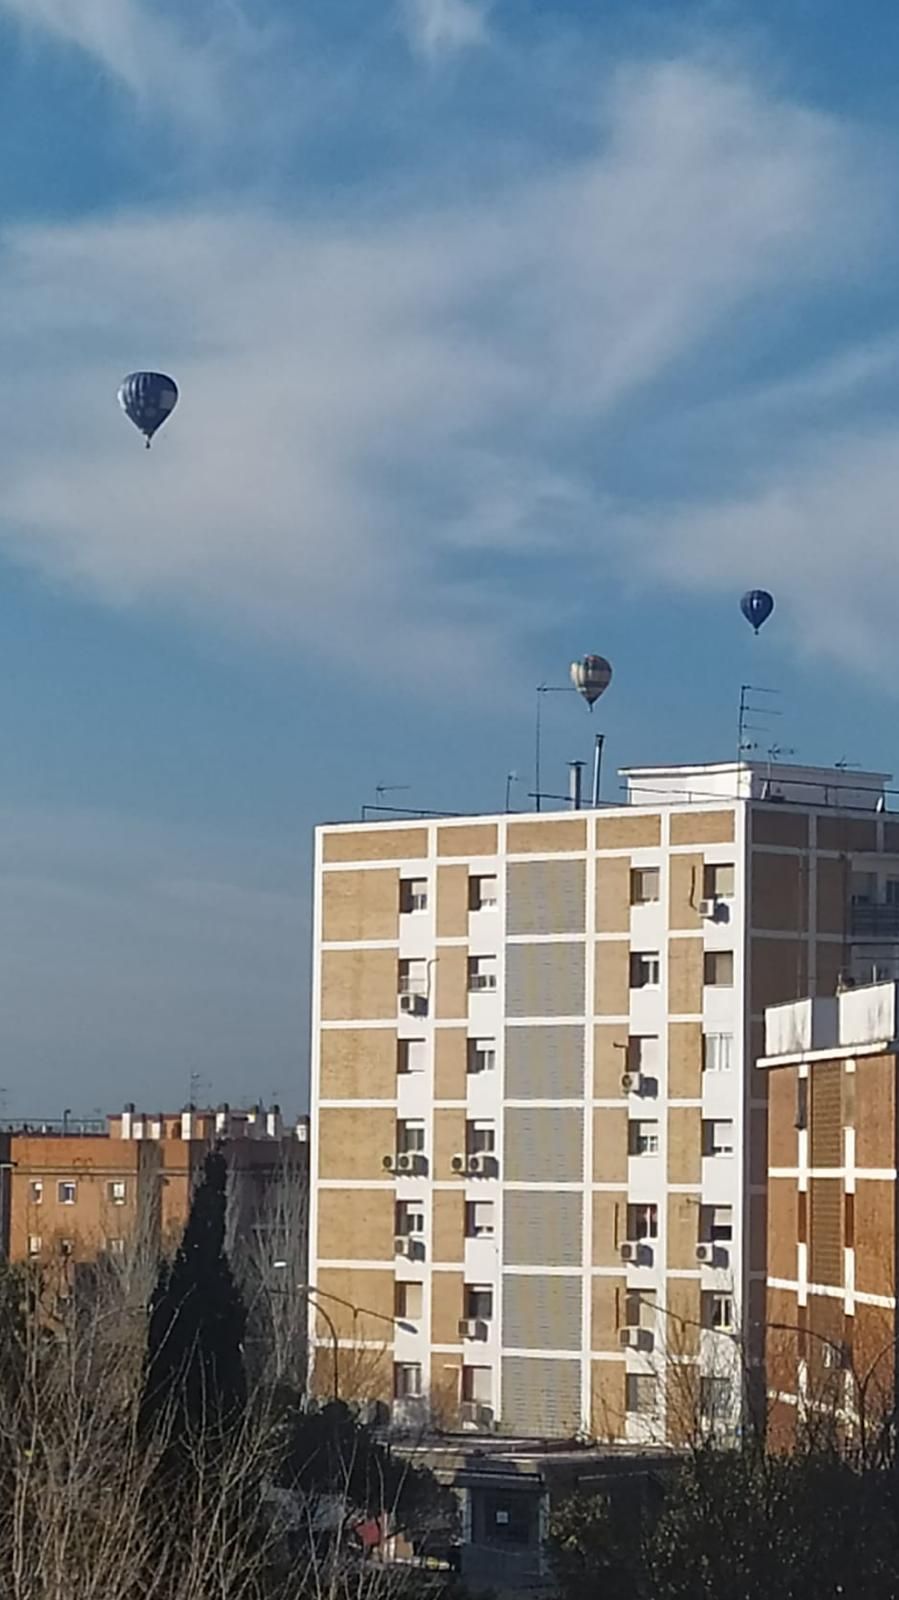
(440, 28)
(372, 410)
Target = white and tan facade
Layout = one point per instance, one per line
(538, 1154)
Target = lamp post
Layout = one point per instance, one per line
(313, 1293)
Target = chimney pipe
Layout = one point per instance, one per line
(575, 773)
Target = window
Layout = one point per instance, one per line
(718, 1052)
(478, 1302)
(413, 977)
(645, 969)
(714, 1398)
(717, 1224)
(66, 1246)
(36, 1191)
(718, 881)
(479, 1219)
(413, 894)
(35, 1244)
(407, 1380)
(481, 1055)
(481, 972)
(863, 888)
(477, 1385)
(643, 1053)
(834, 1355)
(408, 1300)
(115, 1247)
(717, 1137)
(67, 1192)
(643, 1138)
(718, 969)
(411, 1055)
(643, 1222)
(718, 1312)
(116, 1191)
(483, 894)
(410, 1138)
(891, 891)
(801, 1119)
(644, 885)
(641, 1389)
(410, 1217)
(480, 1138)
(640, 1308)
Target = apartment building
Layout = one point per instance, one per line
(538, 1157)
(833, 1154)
(84, 1191)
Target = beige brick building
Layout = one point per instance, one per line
(536, 1142)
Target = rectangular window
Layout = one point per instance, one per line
(644, 885)
(717, 1137)
(35, 1244)
(480, 1138)
(718, 969)
(718, 1052)
(66, 1247)
(644, 969)
(481, 1055)
(718, 1312)
(410, 1138)
(718, 881)
(407, 1380)
(717, 1224)
(479, 1219)
(477, 1385)
(408, 1301)
(411, 1055)
(714, 1399)
(483, 893)
(116, 1191)
(36, 1191)
(479, 1301)
(643, 1138)
(640, 1308)
(481, 972)
(410, 1217)
(641, 1391)
(891, 891)
(67, 1192)
(413, 977)
(863, 888)
(115, 1247)
(643, 1222)
(643, 1053)
(413, 894)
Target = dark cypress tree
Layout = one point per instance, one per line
(194, 1383)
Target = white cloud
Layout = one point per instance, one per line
(370, 410)
(440, 28)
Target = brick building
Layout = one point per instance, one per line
(833, 1154)
(538, 1151)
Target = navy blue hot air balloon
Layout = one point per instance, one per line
(757, 606)
(147, 399)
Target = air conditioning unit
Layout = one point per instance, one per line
(404, 1244)
(705, 1255)
(458, 1163)
(629, 1250)
(389, 1163)
(708, 908)
(631, 1082)
(414, 1005)
(472, 1328)
(479, 1163)
(629, 1338)
(407, 1161)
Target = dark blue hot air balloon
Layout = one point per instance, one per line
(757, 606)
(147, 399)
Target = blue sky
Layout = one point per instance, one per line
(505, 332)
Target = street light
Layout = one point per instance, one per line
(312, 1292)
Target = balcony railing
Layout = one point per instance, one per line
(874, 922)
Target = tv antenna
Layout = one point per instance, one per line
(748, 710)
